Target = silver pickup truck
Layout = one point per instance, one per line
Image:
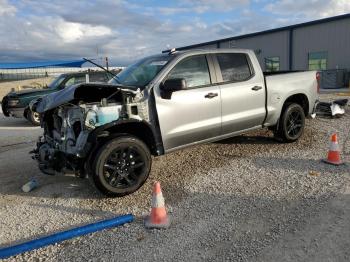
(163, 103)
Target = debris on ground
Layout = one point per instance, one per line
(32, 184)
(314, 173)
(332, 109)
(61, 236)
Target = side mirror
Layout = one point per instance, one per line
(175, 84)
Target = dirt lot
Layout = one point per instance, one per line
(244, 199)
(6, 87)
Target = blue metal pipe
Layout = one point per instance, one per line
(61, 236)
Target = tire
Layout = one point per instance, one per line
(291, 124)
(121, 166)
(4, 106)
(33, 117)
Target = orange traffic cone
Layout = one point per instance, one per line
(158, 217)
(334, 152)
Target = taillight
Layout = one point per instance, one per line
(318, 79)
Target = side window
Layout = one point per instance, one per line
(194, 70)
(80, 79)
(69, 82)
(98, 77)
(234, 67)
(75, 80)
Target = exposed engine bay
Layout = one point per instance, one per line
(69, 126)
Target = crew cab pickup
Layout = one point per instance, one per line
(16, 104)
(163, 103)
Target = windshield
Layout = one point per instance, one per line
(56, 82)
(142, 72)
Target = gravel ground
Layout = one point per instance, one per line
(243, 199)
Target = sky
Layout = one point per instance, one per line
(127, 30)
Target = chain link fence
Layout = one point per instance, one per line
(34, 73)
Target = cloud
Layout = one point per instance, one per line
(246, 24)
(6, 8)
(309, 9)
(201, 6)
(72, 32)
(69, 29)
(172, 10)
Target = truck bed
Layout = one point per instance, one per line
(281, 85)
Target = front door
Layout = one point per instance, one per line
(190, 115)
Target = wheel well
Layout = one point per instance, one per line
(137, 129)
(299, 99)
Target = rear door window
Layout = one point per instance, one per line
(234, 67)
(194, 70)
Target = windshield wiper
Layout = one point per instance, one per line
(99, 66)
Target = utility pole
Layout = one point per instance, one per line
(107, 63)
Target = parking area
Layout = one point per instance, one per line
(248, 198)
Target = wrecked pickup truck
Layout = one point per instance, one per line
(162, 103)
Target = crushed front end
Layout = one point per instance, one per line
(71, 119)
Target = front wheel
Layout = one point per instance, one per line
(121, 166)
(291, 124)
(33, 117)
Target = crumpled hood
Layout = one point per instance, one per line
(88, 92)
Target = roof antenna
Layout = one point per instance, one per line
(169, 50)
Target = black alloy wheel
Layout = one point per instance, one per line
(294, 124)
(121, 166)
(291, 124)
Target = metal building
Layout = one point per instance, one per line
(318, 45)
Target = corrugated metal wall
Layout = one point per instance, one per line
(269, 45)
(333, 37)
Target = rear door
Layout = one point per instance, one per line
(242, 92)
(194, 114)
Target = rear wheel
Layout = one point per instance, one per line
(121, 166)
(33, 117)
(291, 124)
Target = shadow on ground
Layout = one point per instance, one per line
(251, 140)
(14, 122)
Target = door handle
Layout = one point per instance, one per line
(256, 88)
(211, 95)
